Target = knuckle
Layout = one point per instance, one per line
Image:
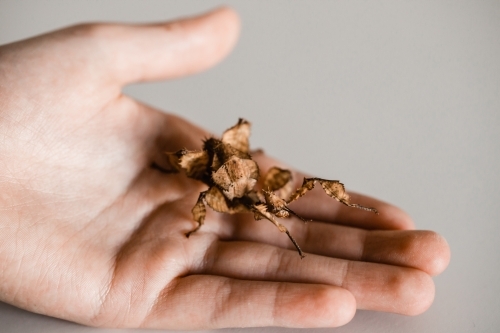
(90, 30)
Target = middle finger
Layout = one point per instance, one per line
(421, 249)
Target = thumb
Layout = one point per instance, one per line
(136, 53)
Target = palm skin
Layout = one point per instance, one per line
(92, 233)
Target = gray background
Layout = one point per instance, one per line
(399, 100)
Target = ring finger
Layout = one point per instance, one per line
(375, 286)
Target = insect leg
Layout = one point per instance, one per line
(259, 210)
(307, 185)
(302, 255)
(336, 190)
(333, 188)
(297, 215)
(199, 211)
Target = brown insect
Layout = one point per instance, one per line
(226, 166)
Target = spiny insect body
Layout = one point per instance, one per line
(226, 166)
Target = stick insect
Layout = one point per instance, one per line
(225, 165)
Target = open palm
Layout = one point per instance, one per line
(92, 230)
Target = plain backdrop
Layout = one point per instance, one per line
(397, 99)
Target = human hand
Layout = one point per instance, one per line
(91, 232)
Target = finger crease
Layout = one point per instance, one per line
(275, 306)
(364, 239)
(346, 267)
(223, 293)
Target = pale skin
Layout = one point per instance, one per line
(91, 233)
